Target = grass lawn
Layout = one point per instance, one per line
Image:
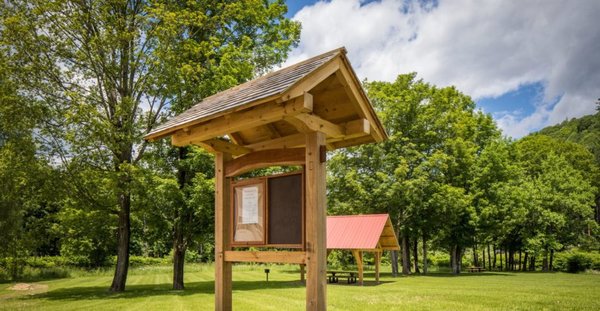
(149, 289)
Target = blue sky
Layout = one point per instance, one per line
(530, 64)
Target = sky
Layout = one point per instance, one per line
(529, 63)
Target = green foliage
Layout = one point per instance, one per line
(584, 131)
(577, 261)
(422, 174)
(103, 74)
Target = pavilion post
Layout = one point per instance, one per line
(223, 277)
(358, 256)
(316, 221)
(377, 264)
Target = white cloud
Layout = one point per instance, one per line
(485, 48)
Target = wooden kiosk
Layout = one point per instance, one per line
(288, 117)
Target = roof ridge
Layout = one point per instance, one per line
(341, 49)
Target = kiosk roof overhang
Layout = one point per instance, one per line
(276, 110)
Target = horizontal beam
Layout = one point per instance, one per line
(265, 158)
(317, 124)
(218, 145)
(357, 128)
(290, 141)
(266, 256)
(241, 120)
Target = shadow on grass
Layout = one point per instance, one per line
(164, 289)
(462, 274)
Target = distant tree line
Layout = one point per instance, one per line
(451, 182)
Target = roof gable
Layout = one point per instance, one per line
(276, 110)
(361, 232)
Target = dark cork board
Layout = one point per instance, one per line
(285, 209)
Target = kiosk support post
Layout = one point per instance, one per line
(223, 277)
(316, 252)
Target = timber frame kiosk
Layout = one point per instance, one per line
(288, 117)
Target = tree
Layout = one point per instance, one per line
(435, 136)
(92, 64)
(29, 189)
(107, 70)
(211, 46)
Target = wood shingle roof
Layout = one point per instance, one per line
(275, 111)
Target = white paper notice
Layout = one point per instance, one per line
(250, 205)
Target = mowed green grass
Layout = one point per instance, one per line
(149, 289)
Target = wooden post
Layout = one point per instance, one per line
(302, 272)
(316, 252)
(358, 256)
(377, 263)
(222, 232)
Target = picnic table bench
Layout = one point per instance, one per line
(476, 269)
(333, 276)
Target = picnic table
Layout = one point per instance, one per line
(333, 276)
(476, 269)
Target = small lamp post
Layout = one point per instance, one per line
(267, 273)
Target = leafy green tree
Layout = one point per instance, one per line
(435, 136)
(29, 189)
(584, 131)
(209, 46)
(107, 71)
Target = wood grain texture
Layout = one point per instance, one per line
(266, 257)
(223, 276)
(265, 158)
(316, 252)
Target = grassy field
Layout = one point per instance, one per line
(149, 289)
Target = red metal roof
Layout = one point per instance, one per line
(355, 231)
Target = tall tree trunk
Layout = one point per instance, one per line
(394, 262)
(425, 254)
(494, 246)
(124, 230)
(551, 266)
(598, 209)
(532, 263)
(475, 256)
(483, 257)
(405, 255)
(416, 254)
(489, 258)
(524, 263)
(455, 258)
(520, 262)
(179, 243)
(545, 261)
(501, 266)
(178, 262)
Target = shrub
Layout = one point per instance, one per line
(578, 263)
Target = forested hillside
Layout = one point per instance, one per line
(584, 130)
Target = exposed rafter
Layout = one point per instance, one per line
(242, 120)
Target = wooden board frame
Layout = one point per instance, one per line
(264, 181)
(303, 208)
(233, 212)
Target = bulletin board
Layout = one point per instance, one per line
(249, 212)
(268, 211)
